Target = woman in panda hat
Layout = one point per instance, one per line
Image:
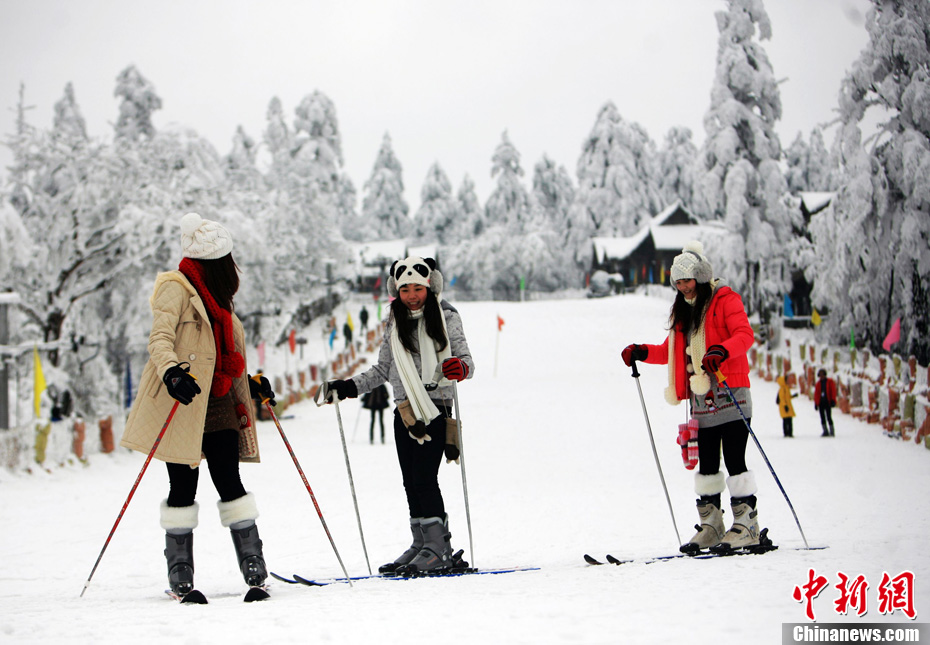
(197, 359)
(709, 331)
(423, 351)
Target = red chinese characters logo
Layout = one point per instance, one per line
(894, 594)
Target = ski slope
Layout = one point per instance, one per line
(558, 464)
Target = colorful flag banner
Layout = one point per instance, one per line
(39, 383)
(789, 308)
(261, 356)
(292, 340)
(332, 337)
(349, 321)
(500, 323)
(816, 319)
(894, 335)
(852, 339)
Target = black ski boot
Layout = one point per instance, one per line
(179, 552)
(249, 552)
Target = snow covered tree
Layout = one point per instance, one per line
(68, 121)
(469, 221)
(436, 216)
(811, 167)
(739, 177)
(874, 261)
(384, 210)
(508, 204)
(241, 171)
(676, 167)
(617, 187)
(139, 101)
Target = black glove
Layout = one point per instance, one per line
(344, 389)
(632, 353)
(714, 358)
(260, 389)
(181, 386)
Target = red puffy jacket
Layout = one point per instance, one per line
(831, 392)
(725, 323)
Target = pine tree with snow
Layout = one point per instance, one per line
(435, 219)
(68, 119)
(508, 204)
(874, 264)
(810, 166)
(617, 186)
(384, 210)
(139, 101)
(470, 218)
(675, 162)
(739, 178)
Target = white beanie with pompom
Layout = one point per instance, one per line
(202, 239)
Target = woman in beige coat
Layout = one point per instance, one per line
(196, 343)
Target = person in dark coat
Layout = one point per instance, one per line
(825, 401)
(377, 401)
(363, 317)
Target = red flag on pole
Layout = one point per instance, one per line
(500, 323)
(292, 340)
(894, 335)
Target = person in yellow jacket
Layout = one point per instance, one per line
(785, 408)
(197, 343)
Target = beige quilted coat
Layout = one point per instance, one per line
(181, 332)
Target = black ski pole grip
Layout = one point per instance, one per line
(635, 371)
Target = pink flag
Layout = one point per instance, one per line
(894, 335)
(261, 355)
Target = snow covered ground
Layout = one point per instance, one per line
(558, 464)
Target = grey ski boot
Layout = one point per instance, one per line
(436, 554)
(249, 552)
(179, 523)
(405, 558)
(709, 532)
(179, 552)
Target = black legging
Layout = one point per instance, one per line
(419, 465)
(734, 436)
(221, 450)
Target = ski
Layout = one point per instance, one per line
(255, 594)
(765, 547)
(450, 573)
(193, 598)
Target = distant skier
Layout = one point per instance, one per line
(423, 350)
(376, 401)
(785, 408)
(363, 318)
(197, 341)
(709, 331)
(825, 401)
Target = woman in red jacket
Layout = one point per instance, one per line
(825, 401)
(709, 331)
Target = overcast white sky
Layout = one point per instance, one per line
(444, 77)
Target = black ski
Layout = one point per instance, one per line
(255, 594)
(193, 598)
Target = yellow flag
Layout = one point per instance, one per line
(816, 319)
(39, 385)
(349, 320)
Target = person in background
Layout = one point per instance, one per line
(363, 318)
(785, 408)
(376, 401)
(424, 350)
(197, 343)
(708, 333)
(825, 401)
(347, 333)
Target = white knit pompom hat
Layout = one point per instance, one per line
(202, 239)
(414, 270)
(691, 264)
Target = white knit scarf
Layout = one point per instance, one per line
(430, 359)
(697, 347)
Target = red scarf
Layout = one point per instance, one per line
(229, 362)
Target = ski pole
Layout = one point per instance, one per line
(723, 381)
(345, 451)
(131, 493)
(655, 452)
(458, 422)
(307, 484)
